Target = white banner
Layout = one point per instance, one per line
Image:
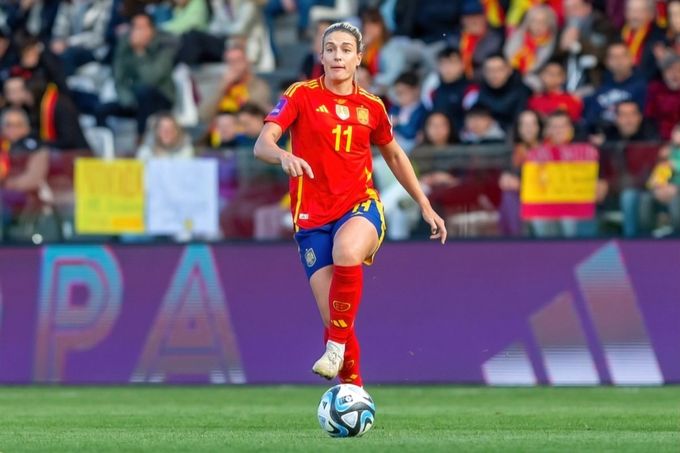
(182, 196)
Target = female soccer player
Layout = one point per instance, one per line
(337, 213)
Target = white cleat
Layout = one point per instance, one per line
(330, 363)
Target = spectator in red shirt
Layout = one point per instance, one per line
(553, 97)
(663, 97)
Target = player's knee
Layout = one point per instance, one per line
(347, 255)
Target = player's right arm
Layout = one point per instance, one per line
(268, 151)
(282, 117)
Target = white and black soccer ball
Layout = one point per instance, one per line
(346, 410)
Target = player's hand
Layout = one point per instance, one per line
(437, 226)
(294, 166)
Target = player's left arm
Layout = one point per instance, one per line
(398, 161)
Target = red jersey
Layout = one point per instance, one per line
(333, 133)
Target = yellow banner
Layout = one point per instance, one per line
(109, 196)
(559, 182)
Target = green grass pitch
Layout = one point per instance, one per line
(440, 418)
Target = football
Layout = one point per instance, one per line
(346, 410)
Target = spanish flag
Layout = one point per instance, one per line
(559, 182)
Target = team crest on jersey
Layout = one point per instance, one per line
(362, 115)
(342, 111)
(310, 257)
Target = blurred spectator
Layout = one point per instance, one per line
(552, 96)
(399, 54)
(585, 36)
(142, 71)
(8, 54)
(51, 113)
(239, 85)
(437, 133)
(671, 44)
(407, 113)
(24, 164)
(224, 130)
(17, 140)
(428, 21)
(641, 34)
(476, 41)
(640, 207)
(526, 135)
(311, 65)
(165, 138)
(187, 15)
(375, 35)
(38, 62)
(530, 46)
(453, 86)
(400, 211)
(250, 120)
(621, 84)
(629, 126)
(240, 21)
(518, 10)
(502, 91)
(33, 17)
(79, 33)
(275, 8)
(559, 131)
(663, 97)
(481, 128)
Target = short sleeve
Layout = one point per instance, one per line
(382, 134)
(286, 110)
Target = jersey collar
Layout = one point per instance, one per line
(323, 86)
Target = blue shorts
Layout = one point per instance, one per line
(316, 244)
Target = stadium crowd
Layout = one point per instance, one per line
(471, 86)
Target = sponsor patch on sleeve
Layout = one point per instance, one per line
(279, 107)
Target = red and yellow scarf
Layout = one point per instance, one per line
(661, 14)
(234, 98)
(635, 40)
(525, 58)
(48, 105)
(4, 158)
(495, 15)
(468, 44)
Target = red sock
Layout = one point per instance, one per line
(350, 373)
(345, 295)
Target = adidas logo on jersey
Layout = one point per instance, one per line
(322, 109)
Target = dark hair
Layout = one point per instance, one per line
(553, 61)
(408, 78)
(496, 55)
(452, 130)
(626, 101)
(448, 52)
(251, 109)
(515, 127)
(616, 42)
(558, 114)
(478, 110)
